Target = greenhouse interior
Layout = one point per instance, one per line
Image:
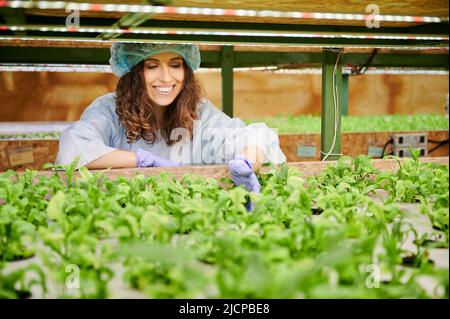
(316, 138)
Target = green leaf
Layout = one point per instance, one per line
(55, 208)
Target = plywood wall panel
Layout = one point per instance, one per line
(221, 171)
(397, 94)
(260, 94)
(263, 94)
(51, 96)
(35, 154)
(353, 144)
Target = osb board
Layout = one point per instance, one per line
(358, 143)
(31, 153)
(220, 171)
(404, 7)
(290, 142)
(224, 18)
(64, 96)
(60, 97)
(261, 94)
(393, 94)
(387, 7)
(271, 20)
(353, 144)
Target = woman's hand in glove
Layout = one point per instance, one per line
(147, 159)
(242, 173)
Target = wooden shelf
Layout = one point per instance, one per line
(221, 171)
(387, 7)
(353, 143)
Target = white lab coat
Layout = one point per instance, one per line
(217, 137)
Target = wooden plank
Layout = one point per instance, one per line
(387, 7)
(221, 171)
(312, 168)
(353, 144)
(404, 7)
(358, 143)
(290, 143)
(223, 18)
(272, 20)
(22, 154)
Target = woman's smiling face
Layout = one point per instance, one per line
(164, 76)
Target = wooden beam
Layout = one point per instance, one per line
(352, 144)
(387, 7)
(220, 171)
(294, 146)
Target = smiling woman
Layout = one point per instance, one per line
(158, 117)
(164, 75)
(158, 94)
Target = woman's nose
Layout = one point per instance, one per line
(165, 75)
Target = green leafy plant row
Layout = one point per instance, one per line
(322, 236)
(31, 136)
(312, 124)
(366, 123)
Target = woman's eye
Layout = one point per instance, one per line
(176, 66)
(150, 66)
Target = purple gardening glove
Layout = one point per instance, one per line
(147, 159)
(242, 173)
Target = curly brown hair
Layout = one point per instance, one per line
(135, 110)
